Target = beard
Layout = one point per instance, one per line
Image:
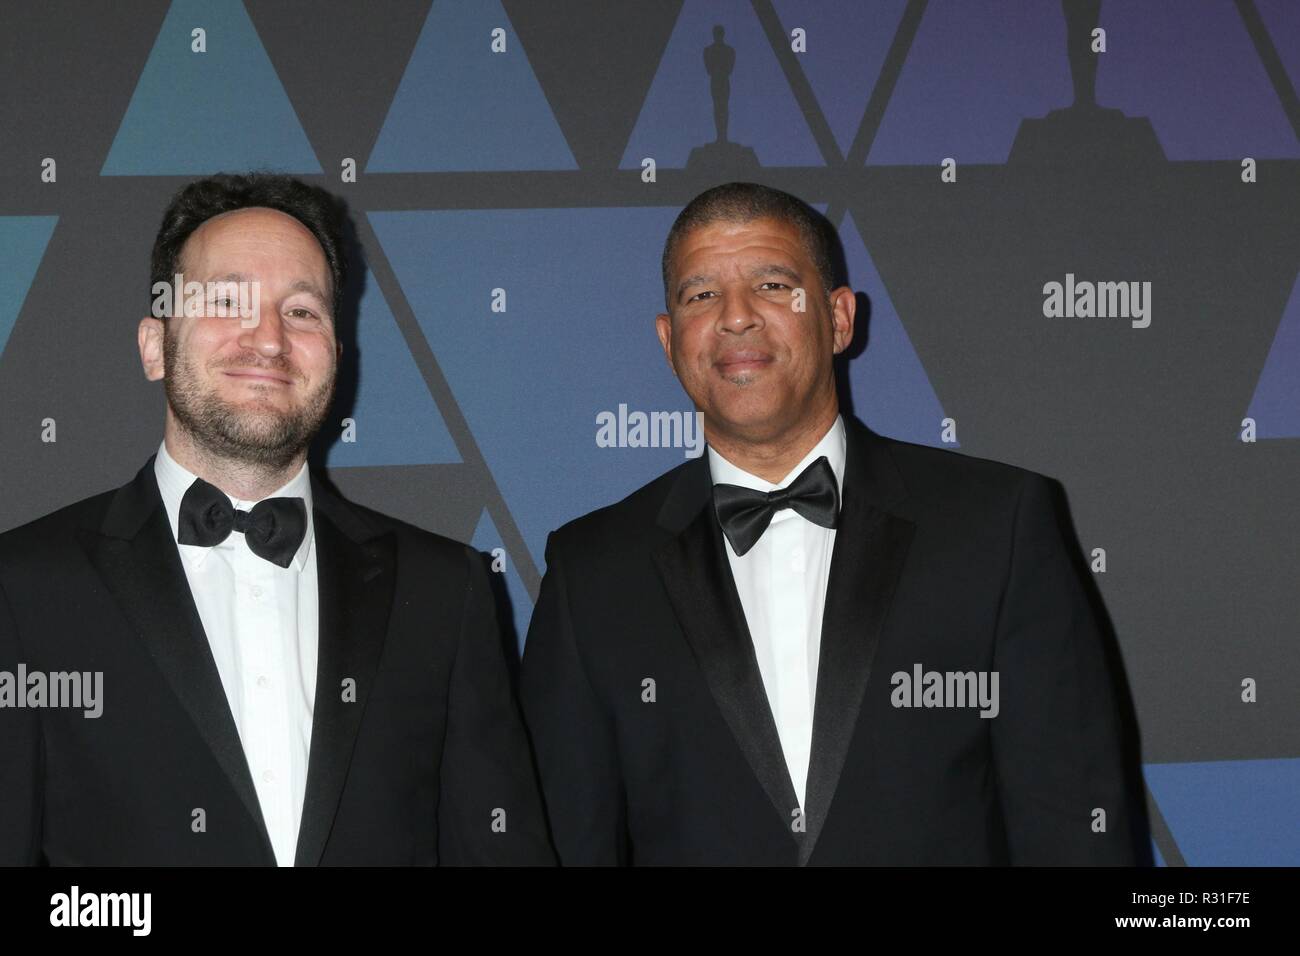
(263, 437)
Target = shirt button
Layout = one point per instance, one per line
(263, 682)
(257, 591)
(796, 560)
(268, 776)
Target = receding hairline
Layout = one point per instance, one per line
(279, 213)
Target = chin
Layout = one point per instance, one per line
(749, 420)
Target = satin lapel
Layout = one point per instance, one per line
(870, 547)
(697, 576)
(355, 575)
(136, 555)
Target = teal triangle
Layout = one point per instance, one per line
(487, 539)
(397, 420)
(463, 107)
(22, 245)
(199, 113)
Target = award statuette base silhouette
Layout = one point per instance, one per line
(1087, 135)
(722, 156)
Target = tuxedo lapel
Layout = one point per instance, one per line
(871, 542)
(697, 576)
(135, 553)
(870, 546)
(355, 573)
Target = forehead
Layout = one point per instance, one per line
(726, 240)
(256, 232)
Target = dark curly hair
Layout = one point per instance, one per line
(319, 211)
(745, 202)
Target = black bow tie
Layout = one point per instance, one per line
(745, 513)
(274, 529)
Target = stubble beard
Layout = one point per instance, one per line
(263, 438)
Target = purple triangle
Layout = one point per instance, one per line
(1190, 66)
(847, 44)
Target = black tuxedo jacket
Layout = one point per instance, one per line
(652, 729)
(423, 767)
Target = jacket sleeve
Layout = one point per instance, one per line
(1057, 742)
(489, 808)
(572, 733)
(21, 760)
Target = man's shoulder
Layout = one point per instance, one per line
(629, 519)
(412, 540)
(926, 469)
(57, 528)
(931, 477)
(969, 492)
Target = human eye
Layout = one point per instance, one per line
(224, 305)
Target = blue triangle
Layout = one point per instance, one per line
(460, 106)
(487, 539)
(199, 113)
(397, 420)
(1230, 812)
(891, 390)
(969, 80)
(1276, 403)
(22, 245)
(677, 115)
(577, 339)
(847, 45)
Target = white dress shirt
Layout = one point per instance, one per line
(782, 584)
(261, 623)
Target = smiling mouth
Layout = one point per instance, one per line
(257, 375)
(742, 362)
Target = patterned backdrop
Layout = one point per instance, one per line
(1075, 226)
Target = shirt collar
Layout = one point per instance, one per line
(174, 479)
(832, 445)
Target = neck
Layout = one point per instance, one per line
(771, 458)
(248, 481)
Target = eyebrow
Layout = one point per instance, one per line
(305, 285)
(770, 268)
(690, 281)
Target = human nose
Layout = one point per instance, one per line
(265, 335)
(738, 313)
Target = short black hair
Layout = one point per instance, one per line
(320, 212)
(745, 202)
